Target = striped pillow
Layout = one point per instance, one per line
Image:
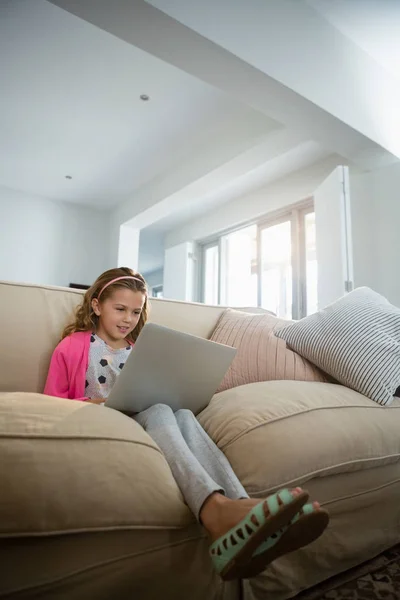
(261, 356)
(356, 340)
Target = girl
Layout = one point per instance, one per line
(246, 534)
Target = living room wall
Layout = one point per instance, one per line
(384, 238)
(48, 242)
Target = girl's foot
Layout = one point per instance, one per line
(307, 526)
(245, 532)
(220, 514)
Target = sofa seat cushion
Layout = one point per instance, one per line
(282, 433)
(68, 466)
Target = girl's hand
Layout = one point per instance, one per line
(96, 400)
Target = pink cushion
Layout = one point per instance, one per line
(261, 356)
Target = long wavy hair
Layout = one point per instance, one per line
(85, 317)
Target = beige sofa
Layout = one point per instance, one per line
(88, 506)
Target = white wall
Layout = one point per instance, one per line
(384, 239)
(48, 242)
(365, 262)
(128, 249)
(179, 272)
(375, 203)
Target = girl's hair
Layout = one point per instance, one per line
(85, 317)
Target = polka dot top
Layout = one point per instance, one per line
(105, 365)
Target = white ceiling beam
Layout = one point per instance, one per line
(295, 45)
(150, 29)
(158, 200)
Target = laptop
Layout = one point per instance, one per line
(169, 367)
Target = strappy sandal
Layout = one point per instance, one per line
(304, 528)
(232, 552)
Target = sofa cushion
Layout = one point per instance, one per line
(69, 466)
(356, 340)
(261, 356)
(281, 433)
(52, 308)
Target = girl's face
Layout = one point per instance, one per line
(118, 314)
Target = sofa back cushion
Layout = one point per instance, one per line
(32, 318)
(261, 356)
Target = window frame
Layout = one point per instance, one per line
(295, 213)
(203, 247)
(302, 258)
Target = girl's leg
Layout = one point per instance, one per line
(219, 514)
(193, 480)
(211, 458)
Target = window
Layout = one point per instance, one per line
(230, 269)
(239, 268)
(276, 268)
(271, 264)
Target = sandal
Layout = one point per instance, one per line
(233, 552)
(303, 529)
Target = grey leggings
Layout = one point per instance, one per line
(197, 464)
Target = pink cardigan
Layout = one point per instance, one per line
(68, 366)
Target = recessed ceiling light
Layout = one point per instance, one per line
(144, 97)
(68, 177)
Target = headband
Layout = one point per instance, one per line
(118, 279)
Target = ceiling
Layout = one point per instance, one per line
(71, 86)
(374, 25)
(70, 105)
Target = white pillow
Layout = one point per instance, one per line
(356, 340)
